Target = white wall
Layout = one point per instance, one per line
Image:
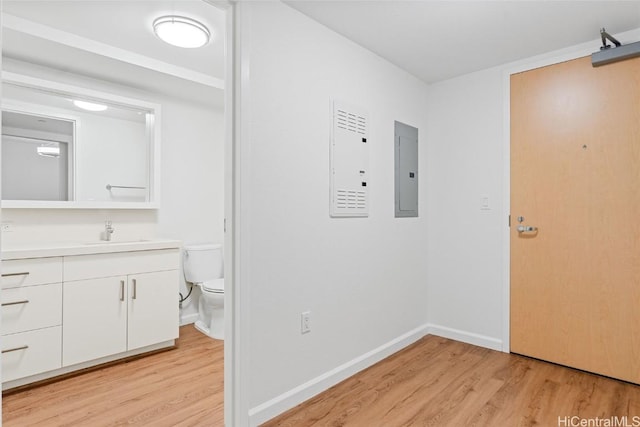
(363, 279)
(465, 165)
(49, 226)
(192, 201)
(192, 204)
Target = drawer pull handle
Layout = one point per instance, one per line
(24, 301)
(135, 289)
(24, 273)
(121, 290)
(24, 347)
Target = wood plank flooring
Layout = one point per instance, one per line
(440, 382)
(435, 382)
(179, 387)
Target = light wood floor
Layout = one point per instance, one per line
(180, 387)
(439, 382)
(435, 382)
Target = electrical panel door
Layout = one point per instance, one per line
(349, 162)
(406, 167)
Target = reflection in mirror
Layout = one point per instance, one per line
(35, 157)
(63, 146)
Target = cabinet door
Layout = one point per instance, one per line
(153, 308)
(94, 319)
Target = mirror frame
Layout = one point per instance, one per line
(153, 150)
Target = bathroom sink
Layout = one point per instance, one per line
(114, 242)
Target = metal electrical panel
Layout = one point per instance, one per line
(406, 170)
(349, 161)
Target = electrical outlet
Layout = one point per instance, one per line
(6, 227)
(305, 322)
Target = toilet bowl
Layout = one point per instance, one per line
(203, 267)
(211, 309)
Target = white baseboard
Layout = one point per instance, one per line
(188, 319)
(464, 336)
(293, 397)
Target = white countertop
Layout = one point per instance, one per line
(44, 250)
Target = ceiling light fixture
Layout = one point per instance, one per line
(89, 106)
(181, 31)
(48, 151)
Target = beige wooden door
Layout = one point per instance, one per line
(575, 175)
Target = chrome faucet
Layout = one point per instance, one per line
(108, 230)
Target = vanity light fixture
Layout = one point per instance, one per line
(181, 31)
(89, 106)
(48, 151)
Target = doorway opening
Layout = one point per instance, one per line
(184, 179)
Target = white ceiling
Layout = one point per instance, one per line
(127, 25)
(141, 60)
(434, 40)
(437, 40)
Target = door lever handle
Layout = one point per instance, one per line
(526, 229)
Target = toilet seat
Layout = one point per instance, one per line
(214, 286)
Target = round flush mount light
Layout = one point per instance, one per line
(48, 151)
(89, 106)
(181, 31)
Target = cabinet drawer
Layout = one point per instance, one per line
(82, 267)
(32, 271)
(31, 307)
(30, 353)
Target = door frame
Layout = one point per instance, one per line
(550, 58)
(236, 300)
(236, 212)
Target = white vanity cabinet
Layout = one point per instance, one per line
(91, 305)
(31, 316)
(118, 302)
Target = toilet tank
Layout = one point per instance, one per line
(203, 262)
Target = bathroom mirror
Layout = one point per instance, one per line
(66, 146)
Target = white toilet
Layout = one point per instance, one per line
(203, 266)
